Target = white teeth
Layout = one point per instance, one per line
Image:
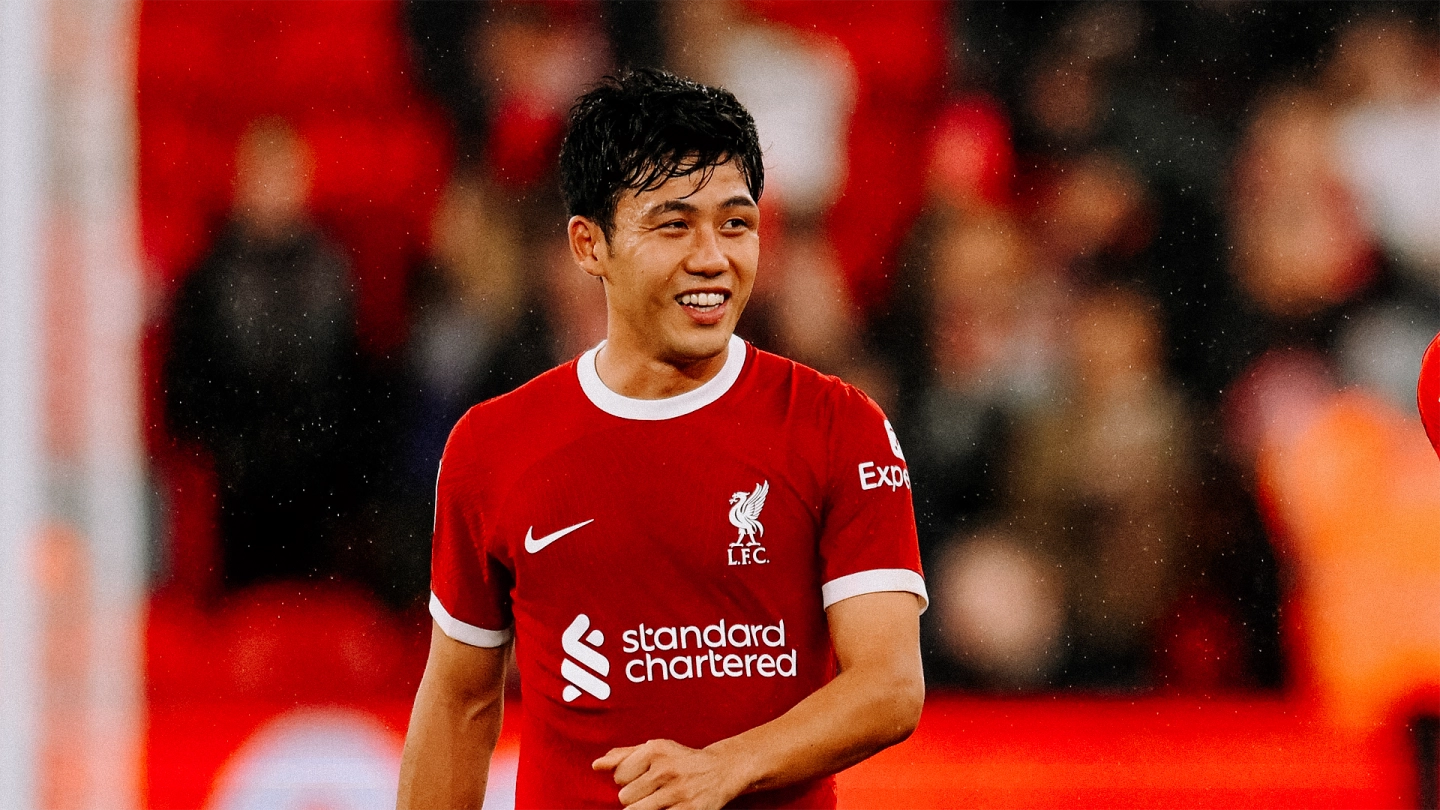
(702, 299)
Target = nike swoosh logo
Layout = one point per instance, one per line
(534, 544)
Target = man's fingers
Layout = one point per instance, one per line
(627, 763)
(612, 758)
(655, 801)
(635, 764)
(644, 786)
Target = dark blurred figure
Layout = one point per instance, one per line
(989, 324)
(1103, 484)
(476, 332)
(508, 71)
(972, 323)
(636, 32)
(1139, 201)
(440, 34)
(264, 374)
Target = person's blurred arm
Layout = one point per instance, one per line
(454, 726)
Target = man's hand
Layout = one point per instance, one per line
(873, 703)
(664, 773)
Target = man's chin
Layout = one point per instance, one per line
(698, 348)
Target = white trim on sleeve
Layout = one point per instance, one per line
(466, 633)
(653, 410)
(877, 580)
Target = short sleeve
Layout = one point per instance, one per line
(469, 588)
(868, 542)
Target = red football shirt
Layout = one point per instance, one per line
(665, 565)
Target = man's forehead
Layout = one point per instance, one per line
(723, 185)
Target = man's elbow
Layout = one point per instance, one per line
(904, 698)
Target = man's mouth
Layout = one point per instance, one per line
(702, 301)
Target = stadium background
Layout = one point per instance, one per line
(1143, 287)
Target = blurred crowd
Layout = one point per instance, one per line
(1084, 255)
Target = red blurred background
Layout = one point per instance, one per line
(960, 122)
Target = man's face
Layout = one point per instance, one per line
(679, 265)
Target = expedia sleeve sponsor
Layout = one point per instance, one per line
(874, 476)
(868, 522)
(759, 651)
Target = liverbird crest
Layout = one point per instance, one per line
(745, 513)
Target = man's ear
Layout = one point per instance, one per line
(587, 244)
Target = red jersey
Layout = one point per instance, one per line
(665, 565)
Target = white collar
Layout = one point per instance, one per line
(656, 409)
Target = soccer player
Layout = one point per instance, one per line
(705, 554)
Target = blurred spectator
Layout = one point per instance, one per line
(976, 345)
(1119, 161)
(534, 58)
(1301, 248)
(264, 376)
(475, 329)
(508, 71)
(896, 51)
(475, 332)
(799, 87)
(1300, 252)
(1103, 482)
(1302, 257)
(975, 335)
(954, 319)
(1385, 74)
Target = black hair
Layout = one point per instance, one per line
(637, 130)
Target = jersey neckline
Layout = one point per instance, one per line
(652, 410)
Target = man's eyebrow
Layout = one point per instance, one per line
(670, 207)
(683, 207)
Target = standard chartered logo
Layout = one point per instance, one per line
(579, 677)
(719, 650)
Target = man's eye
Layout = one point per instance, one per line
(678, 224)
(738, 222)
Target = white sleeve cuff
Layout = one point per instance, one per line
(466, 633)
(878, 580)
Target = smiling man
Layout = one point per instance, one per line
(705, 553)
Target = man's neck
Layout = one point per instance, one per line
(632, 372)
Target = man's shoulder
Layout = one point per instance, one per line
(822, 393)
(535, 406)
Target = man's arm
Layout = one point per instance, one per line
(872, 704)
(454, 726)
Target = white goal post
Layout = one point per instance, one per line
(71, 462)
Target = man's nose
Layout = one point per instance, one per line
(707, 259)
